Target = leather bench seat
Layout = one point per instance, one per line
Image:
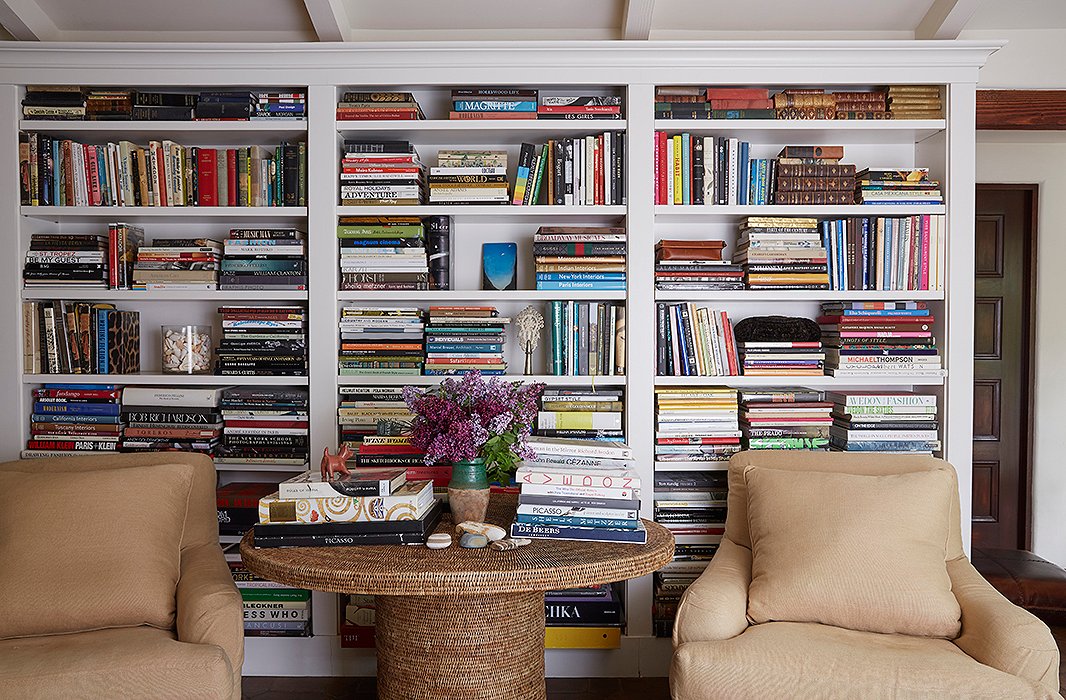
(1026, 580)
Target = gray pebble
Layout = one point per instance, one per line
(472, 540)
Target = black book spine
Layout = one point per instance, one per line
(662, 342)
(584, 612)
(290, 175)
(558, 172)
(722, 176)
(439, 251)
(623, 180)
(697, 169)
(690, 340)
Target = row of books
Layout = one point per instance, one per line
(885, 252)
(63, 172)
(587, 338)
(381, 172)
(696, 341)
(588, 170)
(582, 414)
(394, 252)
(270, 609)
(71, 102)
(580, 257)
(893, 102)
(68, 337)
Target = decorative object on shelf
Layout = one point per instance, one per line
(530, 324)
(334, 465)
(776, 329)
(478, 424)
(186, 349)
(499, 266)
(493, 532)
(472, 540)
(439, 540)
(510, 543)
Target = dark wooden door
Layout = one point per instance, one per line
(1005, 241)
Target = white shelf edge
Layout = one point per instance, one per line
(120, 213)
(480, 295)
(162, 295)
(842, 125)
(691, 467)
(162, 379)
(713, 210)
(798, 381)
(161, 126)
(758, 295)
(419, 380)
(476, 125)
(488, 210)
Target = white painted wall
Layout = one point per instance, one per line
(1032, 58)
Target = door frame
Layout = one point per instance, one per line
(1026, 474)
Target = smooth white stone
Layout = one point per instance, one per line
(493, 532)
(439, 540)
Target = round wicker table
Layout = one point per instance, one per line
(464, 624)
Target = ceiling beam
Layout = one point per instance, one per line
(637, 22)
(946, 19)
(329, 18)
(26, 21)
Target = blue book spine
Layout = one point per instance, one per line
(493, 106)
(101, 387)
(57, 175)
(889, 257)
(824, 225)
(71, 418)
(604, 286)
(842, 253)
(579, 276)
(79, 409)
(638, 536)
(556, 322)
(885, 312)
(464, 330)
(686, 168)
(576, 522)
(448, 347)
(101, 340)
(745, 172)
(864, 251)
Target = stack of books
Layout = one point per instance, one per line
(67, 337)
(580, 257)
(238, 505)
(493, 103)
(695, 265)
(367, 506)
(581, 171)
(692, 554)
(805, 103)
(695, 425)
(386, 340)
(178, 263)
(739, 103)
(885, 252)
(264, 425)
(782, 253)
(587, 338)
(270, 609)
(163, 106)
(469, 177)
(880, 339)
(279, 105)
(226, 105)
(106, 105)
(695, 169)
(67, 260)
(465, 338)
(264, 259)
(813, 175)
(866, 421)
(263, 341)
(694, 341)
(397, 452)
(915, 102)
(383, 253)
(53, 102)
(73, 419)
(381, 172)
(694, 504)
(910, 186)
(171, 418)
(782, 358)
(580, 107)
(365, 411)
(681, 102)
(785, 419)
(861, 105)
(583, 618)
(362, 106)
(604, 508)
(581, 414)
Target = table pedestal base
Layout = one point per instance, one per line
(478, 647)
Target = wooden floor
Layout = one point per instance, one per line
(267, 688)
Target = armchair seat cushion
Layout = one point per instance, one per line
(133, 662)
(794, 659)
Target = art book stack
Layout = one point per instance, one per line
(264, 425)
(460, 339)
(888, 185)
(782, 358)
(871, 421)
(691, 102)
(70, 260)
(272, 106)
(695, 341)
(695, 425)
(53, 102)
(366, 411)
(885, 252)
(587, 338)
(582, 414)
(695, 265)
(915, 102)
(238, 505)
(579, 490)
(583, 618)
(493, 103)
(469, 177)
(853, 104)
(586, 170)
(880, 339)
(365, 106)
(263, 341)
(397, 452)
(386, 340)
(163, 106)
(74, 419)
(782, 253)
(813, 175)
(178, 263)
(264, 260)
(579, 107)
(381, 172)
(785, 419)
(73, 337)
(160, 419)
(382, 253)
(580, 257)
(270, 609)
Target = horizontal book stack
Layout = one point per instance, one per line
(880, 339)
(461, 339)
(782, 358)
(884, 422)
(586, 170)
(604, 508)
(694, 341)
(583, 618)
(692, 551)
(365, 411)
(695, 265)
(67, 260)
(698, 511)
(915, 102)
(381, 172)
(74, 419)
(885, 252)
(580, 257)
(225, 105)
(585, 408)
(695, 425)
(469, 177)
(785, 419)
(782, 253)
(264, 260)
(805, 103)
(163, 106)
(264, 425)
(270, 609)
(178, 263)
(238, 505)
(570, 107)
(383, 253)
(910, 186)
(68, 337)
(813, 175)
(108, 105)
(493, 103)
(166, 419)
(691, 102)
(587, 338)
(387, 340)
(272, 106)
(852, 104)
(369, 106)
(53, 102)
(262, 341)
(397, 452)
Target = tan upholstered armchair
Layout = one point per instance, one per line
(120, 588)
(999, 651)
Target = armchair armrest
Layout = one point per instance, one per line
(715, 607)
(209, 605)
(998, 633)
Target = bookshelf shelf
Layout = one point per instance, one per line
(690, 466)
(487, 213)
(787, 131)
(549, 379)
(495, 131)
(826, 381)
(680, 213)
(206, 133)
(161, 379)
(281, 468)
(432, 296)
(194, 215)
(761, 295)
(163, 295)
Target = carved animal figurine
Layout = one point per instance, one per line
(334, 465)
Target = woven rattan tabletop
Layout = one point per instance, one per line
(414, 570)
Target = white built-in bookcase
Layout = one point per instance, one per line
(629, 69)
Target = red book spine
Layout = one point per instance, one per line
(741, 104)
(68, 174)
(730, 345)
(738, 94)
(924, 281)
(663, 188)
(93, 174)
(597, 172)
(162, 191)
(658, 154)
(579, 109)
(231, 177)
(112, 256)
(206, 178)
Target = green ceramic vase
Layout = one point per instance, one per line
(468, 491)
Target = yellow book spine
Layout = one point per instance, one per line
(582, 637)
(679, 192)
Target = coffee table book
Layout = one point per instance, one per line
(361, 482)
(349, 534)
